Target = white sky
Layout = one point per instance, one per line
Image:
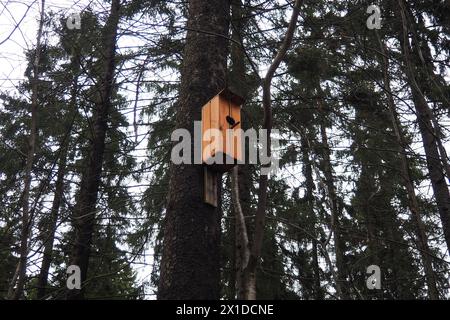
(13, 64)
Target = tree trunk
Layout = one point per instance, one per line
(427, 75)
(335, 225)
(85, 208)
(341, 287)
(50, 229)
(49, 235)
(237, 82)
(243, 178)
(255, 252)
(429, 138)
(307, 162)
(442, 151)
(16, 293)
(409, 185)
(190, 265)
(242, 242)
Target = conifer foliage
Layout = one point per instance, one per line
(355, 94)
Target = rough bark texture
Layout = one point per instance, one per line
(429, 137)
(190, 265)
(85, 208)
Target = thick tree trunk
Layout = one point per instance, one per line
(85, 208)
(190, 265)
(429, 137)
(409, 185)
(16, 293)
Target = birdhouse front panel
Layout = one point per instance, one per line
(232, 115)
(221, 113)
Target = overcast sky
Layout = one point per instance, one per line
(18, 28)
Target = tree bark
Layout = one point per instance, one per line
(190, 265)
(85, 208)
(428, 132)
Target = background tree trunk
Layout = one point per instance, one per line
(49, 234)
(237, 82)
(429, 137)
(409, 185)
(309, 195)
(255, 252)
(341, 286)
(85, 208)
(16, 293)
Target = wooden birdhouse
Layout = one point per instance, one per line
(221, 141)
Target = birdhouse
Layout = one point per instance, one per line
(221, 141)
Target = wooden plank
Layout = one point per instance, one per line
(206, 124)
(215, 120)
(223, 124)
(210, 186)
(236, 114)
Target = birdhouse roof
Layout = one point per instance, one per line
(233, 97)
